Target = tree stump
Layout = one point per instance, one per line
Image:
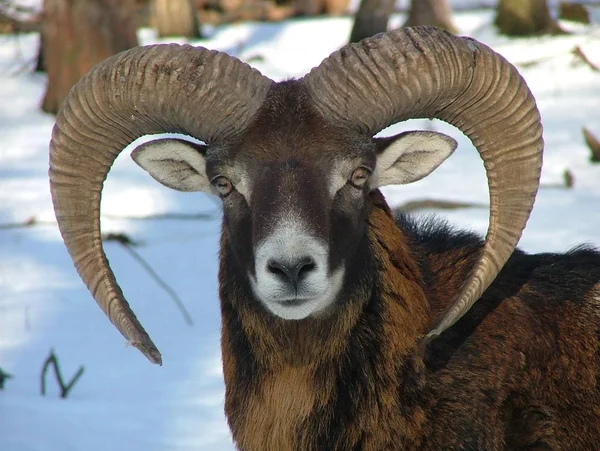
(524, 17)
(78, 34)
(175, 18)
(434, 13)
(371, 18)
(575, 12)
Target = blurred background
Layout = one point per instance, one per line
(67, 379)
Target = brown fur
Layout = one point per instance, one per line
(519, 371)
(516, 380)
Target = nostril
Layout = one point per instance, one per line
(276, 268)
(292, 272)
(304, 266)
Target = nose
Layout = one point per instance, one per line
(291, 271)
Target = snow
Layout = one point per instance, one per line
(122, 401)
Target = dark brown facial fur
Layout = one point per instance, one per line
(288, 175)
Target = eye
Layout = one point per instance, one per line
(222, 185)
(359, 177)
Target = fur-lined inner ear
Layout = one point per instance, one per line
(410, 156)
(175, 163)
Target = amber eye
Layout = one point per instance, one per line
(359, 177)
(223, 185)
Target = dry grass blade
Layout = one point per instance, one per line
(578, 52)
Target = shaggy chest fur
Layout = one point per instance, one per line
(277, 410)
(295, 410)
(348, 383)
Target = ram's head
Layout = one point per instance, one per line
(294, 162)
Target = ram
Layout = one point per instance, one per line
(336, 316)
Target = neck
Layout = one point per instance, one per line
(293, 373)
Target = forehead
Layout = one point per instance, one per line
(288, 134)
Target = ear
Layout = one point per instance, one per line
(410, 156)
(175, 163)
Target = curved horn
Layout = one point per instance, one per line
(145, 90)
(429, 73)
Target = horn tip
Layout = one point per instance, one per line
(442, 323)
(430, 336)
(148, 348)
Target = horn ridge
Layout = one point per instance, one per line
(424, 72)
(145, 90)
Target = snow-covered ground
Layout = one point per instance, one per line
(122, 401)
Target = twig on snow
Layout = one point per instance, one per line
(13, 25)
(33, 221)
(128, 244)
(4, 376)
(423, 204)
(578, 52)
(29, 222)
(568, 178)
(568, 182)
(593, 143)
(64, 388)
(176, 216)
(438, 204)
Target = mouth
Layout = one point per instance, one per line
(311, 298)
(294, 302)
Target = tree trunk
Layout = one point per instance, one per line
(78, 34)
(371, 18)
(175, 18)
(435, 13)
(524, 17)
